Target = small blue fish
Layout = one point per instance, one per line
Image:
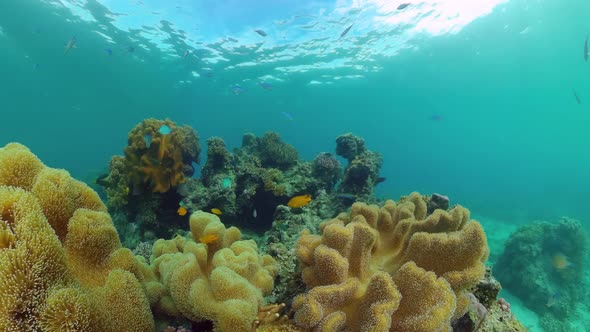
(130, 49)
(266, 86)
(226, 183)
(186, 54)
(237, 90)
(578, 100)
(71, 44)
(345, 31)
(108, 51)
(209, 74)
(403, 6)
(288, 116)
(261, 32)
(165, 130)
(436, 117)
(147, 139)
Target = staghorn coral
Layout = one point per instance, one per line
(223, 281)
(42, 289)
(390, 268)
(167, 159)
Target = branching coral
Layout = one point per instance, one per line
(223, 280)
(161, 160)
(50, 286)
(389, 268)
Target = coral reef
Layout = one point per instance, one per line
(361, 175)
(262, 174)
(62, 267)
(144, 188)
(274, 153)
(390, 268)
(527, 268)
(161, 159)
(349, 146)
(211, 276)
(327, 170)
(118, 181)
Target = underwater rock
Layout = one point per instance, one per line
(437, 201)
(349, 146)
(273, 152)
(543, 264)
(218, 160)
(361, 175)
(487, 289)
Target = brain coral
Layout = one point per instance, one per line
(390, 268)
(223, 281)
(86, 283)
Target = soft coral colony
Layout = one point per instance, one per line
(394, 266)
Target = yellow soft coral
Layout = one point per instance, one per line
(89, 282)
(161, 160)
(390, 268)
(223, 281)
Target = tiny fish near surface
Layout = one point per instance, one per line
(586, 49)
(261, 32)
(346, 31)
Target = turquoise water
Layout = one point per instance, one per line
(473, 101)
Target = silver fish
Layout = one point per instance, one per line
(345, 31)
(586, 49)
(261, 32)
(254, 214)
(71, 44)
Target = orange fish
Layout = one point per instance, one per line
(560, 262)
(182, 211)
(208, 239)
(299, 201)
(216, 211)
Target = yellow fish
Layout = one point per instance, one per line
(208, 239)
(299, 201)
(182, 211)
(216, 211)
(560, 262)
